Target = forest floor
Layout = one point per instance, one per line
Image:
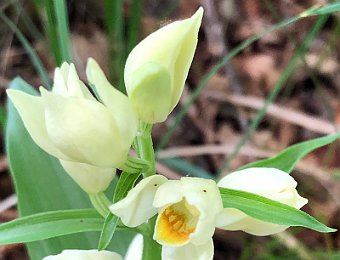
(306, 107)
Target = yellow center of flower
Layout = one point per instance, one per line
(176, 223)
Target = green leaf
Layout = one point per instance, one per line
(63, 34)
(269, 210)
(125, 183)
(42, 185)
(32, 54)
(287, 159)
(107, 231)
(330, 8)
(49, 224)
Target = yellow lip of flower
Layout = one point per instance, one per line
(176, 223)
(187, 211)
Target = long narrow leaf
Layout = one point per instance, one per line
(300, 52)
(269, 210)
(63, 30)
(287, 159)
(50, 224)
(125, 183)
(29, 49)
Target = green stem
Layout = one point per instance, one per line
(101, 203)
(145, 148)
(151, 249)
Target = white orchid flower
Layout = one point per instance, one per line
(187, 211)
(157, 68)
(267, 182)
(75, 254)
(89, 138)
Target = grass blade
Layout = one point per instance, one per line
(63, 35)
(114, 21)
(29, 49)
(302, 49)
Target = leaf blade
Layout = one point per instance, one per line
(269, 210)
(288, 158)
(49, 224)
(125, 183)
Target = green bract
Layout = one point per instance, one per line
(157, 67)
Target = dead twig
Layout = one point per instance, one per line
(311, 123)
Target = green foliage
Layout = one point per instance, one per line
(57, 28)
(287, 159)
(42, 185)
(125, 183)
(29, 49)
(50, 224)
(269, 210)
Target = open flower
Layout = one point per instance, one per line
(267, 182)
(75, 254)
(157, 67)
(89, 138)
(187, 211)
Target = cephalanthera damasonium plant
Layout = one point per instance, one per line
(92, 132)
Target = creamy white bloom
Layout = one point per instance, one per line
(135, 249)
(187, 211)
(75, 254)
(136, 207)
(267, 182)
(88, 137)
(157, 67)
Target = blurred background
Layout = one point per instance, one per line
(242, 102)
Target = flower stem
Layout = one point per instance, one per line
(151, 249)
(145, 148)
(101, 203)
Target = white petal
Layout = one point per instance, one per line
(267, 182)
(117, 103)
(59, 83)
(233, 220)
(75, 254)
(189, 251)
(90, 178)
(201, 194)
(31, 111)
(136, 207)
(135, 249)
(64, 70)
(262, 181)
(168, 193)
(84, 130)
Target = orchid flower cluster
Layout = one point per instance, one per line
(91, 133)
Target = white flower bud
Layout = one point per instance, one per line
(157, 67)
(89, 138)
(267, 182)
